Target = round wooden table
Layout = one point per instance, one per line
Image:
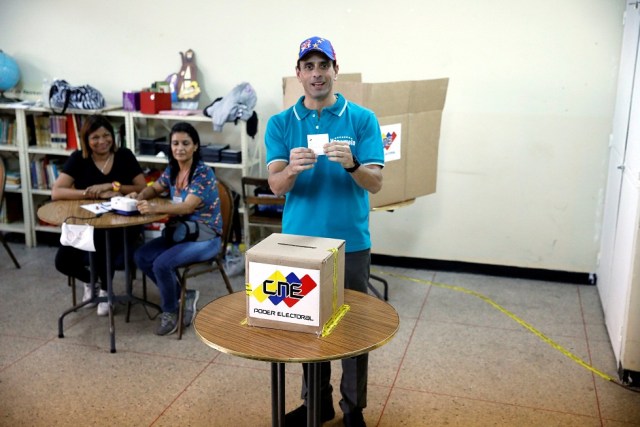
(370, 323)
(59, 211)
(71, 211)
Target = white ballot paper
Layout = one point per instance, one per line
(317, 141)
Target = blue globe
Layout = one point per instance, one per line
(9, 72)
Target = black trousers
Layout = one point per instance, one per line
(353, 383)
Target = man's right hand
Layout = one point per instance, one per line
(301, 159)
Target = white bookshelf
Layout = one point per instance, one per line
(135, 124)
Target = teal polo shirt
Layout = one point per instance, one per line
(325, 201)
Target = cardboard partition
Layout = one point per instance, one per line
(410, 115)
(294, 282)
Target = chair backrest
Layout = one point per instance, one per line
(251, 201)
(226, 210)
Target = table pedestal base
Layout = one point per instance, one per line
(278, 395)
(110, 298)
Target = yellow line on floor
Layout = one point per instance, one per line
(503, 310)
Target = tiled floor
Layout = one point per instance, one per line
(456, 361)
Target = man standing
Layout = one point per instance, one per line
(326, 154)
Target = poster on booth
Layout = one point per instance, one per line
(392, 142)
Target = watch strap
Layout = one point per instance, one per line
(356, 165)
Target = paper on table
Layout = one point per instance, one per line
(98, 208)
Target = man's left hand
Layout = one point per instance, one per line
(339, 152)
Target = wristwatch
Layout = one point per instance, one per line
(116, 186)
(356, 165)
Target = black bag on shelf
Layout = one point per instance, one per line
(63, 95)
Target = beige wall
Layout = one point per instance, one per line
(525, 129)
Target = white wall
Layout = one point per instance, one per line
(526, 125)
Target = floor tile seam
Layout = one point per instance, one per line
(516, 328)
(179, 394)
(495, 402)
(552, 337)
(621, 421)
(584, 326)
(424, 303)
(127, 351)
(600, 323)
(399, 368)
(266, 368)
(466, 286)
(484, 302)
(598, 401)
(27, 337)
(70, 323)
(527, 285)
(625, 423)
(600, 341)
(26, 355)
(165, 356)
(403, 316)
(98, 348)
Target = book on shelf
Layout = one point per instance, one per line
(44, 172)
(37, 178)
(7, 130)
(31, 130)
(58, 125)
(12, 180)
(72, 132)
(43, 131)
(53, 169)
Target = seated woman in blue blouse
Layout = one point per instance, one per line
(194, 193)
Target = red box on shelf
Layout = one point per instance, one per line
(152, 102)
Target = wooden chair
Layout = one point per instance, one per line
(216, 262)
(3, 180)
(258, 206)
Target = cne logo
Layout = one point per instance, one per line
(289, 289)
(387, 139)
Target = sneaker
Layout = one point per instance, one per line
(168, 323)
(190, 307)
(298, 417)
(103, 307)
(354, 419)
(87, 295)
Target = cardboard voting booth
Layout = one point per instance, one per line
(295, 283)
(410, 114)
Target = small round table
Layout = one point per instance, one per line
(59, 211)
(370, 323)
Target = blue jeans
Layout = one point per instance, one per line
(159, 259)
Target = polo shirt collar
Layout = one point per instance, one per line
(336, 109)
